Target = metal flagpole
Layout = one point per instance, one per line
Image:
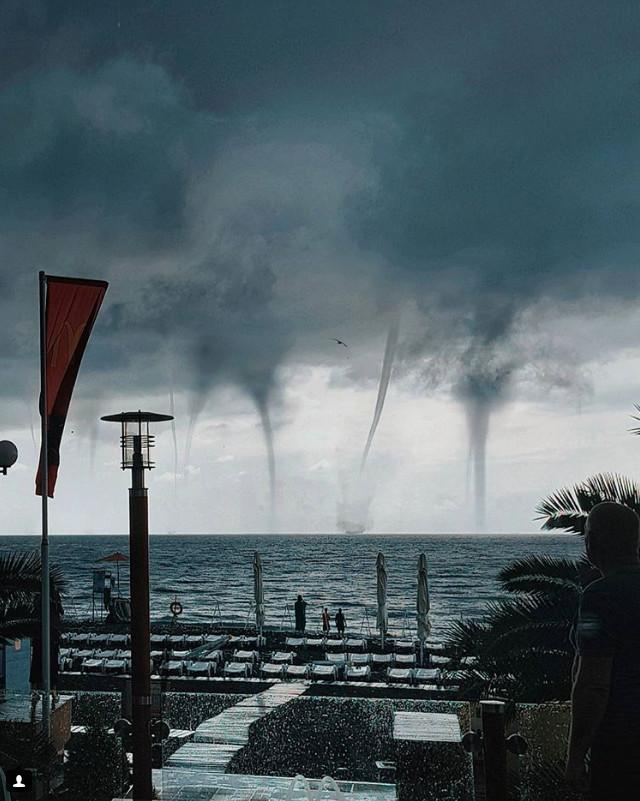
(44, 545)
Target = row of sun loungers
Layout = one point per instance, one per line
(347, 644)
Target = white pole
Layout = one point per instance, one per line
(44, 545)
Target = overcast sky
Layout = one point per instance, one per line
(254, 178)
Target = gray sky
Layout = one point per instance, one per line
(255, 178)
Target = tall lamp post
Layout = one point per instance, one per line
(8, 456)
(136, 443)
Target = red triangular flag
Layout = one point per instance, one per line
(72, 305)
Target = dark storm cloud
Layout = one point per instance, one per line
(170, 147)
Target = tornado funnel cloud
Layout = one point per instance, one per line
(267, 431)
(385, 377)
(478, 417)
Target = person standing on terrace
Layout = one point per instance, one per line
(340, 622)
(605, 699)
(300, 608)
(326, 621)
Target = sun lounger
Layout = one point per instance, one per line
(193, 641)
(314, 642)
(358, 673)
(115, 666)
(426, 675)
(119, 640)
(355, 644)
(179, 654)
(380, 660)
(336, 659)
(98, 640)
(200, 668)
(360, 659)
(216, 641)
(172, 668)
(437, 659)
(64, 652)
(400, 675)
(237, 670)
(283, 656)
(272, 670)
(324, 672)
(334, 645)
(124, 654)
(65, 664)
(404, 659)
(297, 671)
(159, 640)
(106, 654)
(294, 642)
(211, 656)
(92, 665)
(78, 639)
(405, 646)
(176, 641)
(245, 656)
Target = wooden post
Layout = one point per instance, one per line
(492, 714)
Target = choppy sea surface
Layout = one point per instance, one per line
(212, 576)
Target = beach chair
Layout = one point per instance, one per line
(297, 672)
(192, 641)
(159, 641)
(178, 654)
(400, 675)
(92, 665)
(272, 670)
(355, 644)
(439, 659)
(404, 659)
(336, 646)
(382, 660)
(336, 659)
(245, 656)
(237, 670)
(360, 659)
(98, 640)
(405, 646)
(106, 654)
(174, 667)
(124, 654)
(65, 652)
(119, 640)
(324, 672)
(65, 664)
(200, 669)
(216, 641)
(426, 676)
(357, 673)
(212, 656)
(115, 666)
(176, 641)
(280, 657)
(314, 642)
(294, 642)
(78, 639)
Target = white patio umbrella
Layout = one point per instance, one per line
(258, 592)
(423, 605)
(382, 618)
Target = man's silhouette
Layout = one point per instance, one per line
(605, 700)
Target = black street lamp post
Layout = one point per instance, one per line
(136, 443)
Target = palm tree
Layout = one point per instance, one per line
(521, 648)
(20, 583)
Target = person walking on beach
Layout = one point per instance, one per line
(300, 608)
(605, 699)
(340, 622)
(326, 621)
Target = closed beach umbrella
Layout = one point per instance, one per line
(117, 557)
(382, 620)
(423, 606)
(258, 591)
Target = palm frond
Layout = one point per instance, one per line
(635, 417)
(568, 507)
(540, 574)
(20, 575)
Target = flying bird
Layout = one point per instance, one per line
(340, 342)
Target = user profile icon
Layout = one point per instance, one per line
(19, 781)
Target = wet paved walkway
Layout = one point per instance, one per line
(217, 740)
